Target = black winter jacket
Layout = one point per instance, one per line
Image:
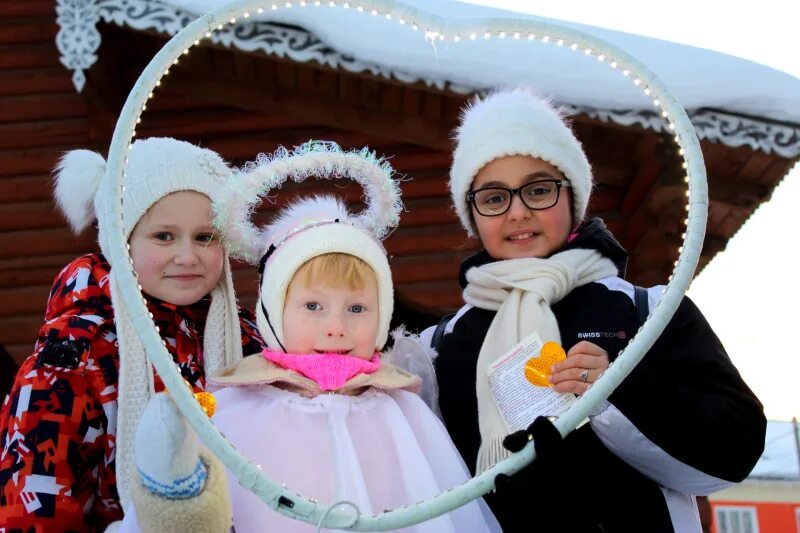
(682, 424)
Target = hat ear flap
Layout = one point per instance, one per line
(77, 181)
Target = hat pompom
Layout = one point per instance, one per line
(77, 181)
(301, 212)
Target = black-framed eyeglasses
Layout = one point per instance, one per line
(536, 195)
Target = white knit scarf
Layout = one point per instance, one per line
(521, 291)
(222, 347)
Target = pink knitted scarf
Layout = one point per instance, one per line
(328, 370)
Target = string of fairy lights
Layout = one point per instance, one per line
(241, 11)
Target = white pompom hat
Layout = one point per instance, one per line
(310, 227)
(516, 122)
(156, 167)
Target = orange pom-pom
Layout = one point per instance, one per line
(207, 402)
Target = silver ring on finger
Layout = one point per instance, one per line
(584, 375)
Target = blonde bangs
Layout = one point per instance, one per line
(336, 270)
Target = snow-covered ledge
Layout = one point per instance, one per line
(78, 41)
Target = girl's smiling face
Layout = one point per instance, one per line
(174, 249)
(522, 232)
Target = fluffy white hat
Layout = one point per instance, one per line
(516, 122)
(309, 228)
(156, 167)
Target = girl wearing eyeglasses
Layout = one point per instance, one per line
(682, 424)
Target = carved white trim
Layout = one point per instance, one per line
(769, 137)
(77, 38)
(78, 41)
(712, 125)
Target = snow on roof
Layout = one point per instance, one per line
(700, 78)
(729, 100)
(780, 459)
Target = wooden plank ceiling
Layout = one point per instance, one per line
(242, 104)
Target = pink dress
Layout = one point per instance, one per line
(381, 449)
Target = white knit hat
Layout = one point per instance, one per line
(156, 167)
(307, 229)
(516, 122)
(310, 227)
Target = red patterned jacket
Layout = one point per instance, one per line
(58, 423)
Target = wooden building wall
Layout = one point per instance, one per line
(241, 104)
(41, 115)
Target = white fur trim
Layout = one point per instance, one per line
(321, 160)
(77, 181)
(316, 208)
(516, 122)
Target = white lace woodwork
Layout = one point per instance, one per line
(78, 41)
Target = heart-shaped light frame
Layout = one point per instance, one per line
(437, 29)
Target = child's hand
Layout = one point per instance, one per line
(584, 363)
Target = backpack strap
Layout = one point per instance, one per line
(438, 333)
(642, 303)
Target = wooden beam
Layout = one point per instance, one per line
(448, 238)
(55, 262)
(27, 8)
(25, 188)
(640, 188)
(44, 242)
(428, 267)
(21, 329)
(30, 30)
(30, 276)
(634, 205)
(246, 146)
(27, 161)
(23, 300)
(329, 112)
(776, 171)
(27, 108)
(33, 81)
(756, 166)
(31, 55)
(428, 212)
(411, 162)
(605, 200)
(214, 122)
(39, 134)
(437, 297)
(418, 187)
(29, 215)
(739, 194)
(104, 93)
